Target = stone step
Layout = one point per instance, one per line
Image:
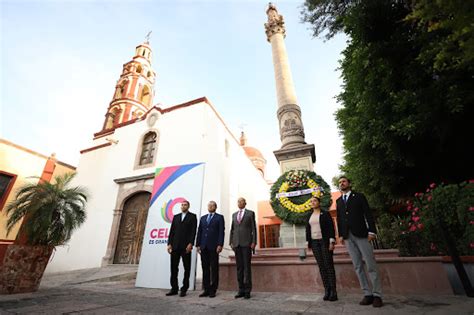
(292, 254)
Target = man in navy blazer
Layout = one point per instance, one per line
(209, 242)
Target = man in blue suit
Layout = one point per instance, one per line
(209, 242)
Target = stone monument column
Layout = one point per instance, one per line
(294, 153)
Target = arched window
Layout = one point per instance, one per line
(116, 116)
(148, 148)
(145, 95)
(139, 69)
(121, 89)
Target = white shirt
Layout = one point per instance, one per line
(347, 194)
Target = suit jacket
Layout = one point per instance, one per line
(354, 216)
(211, 235)
(327, 227)
(243, 233)
(182, 233)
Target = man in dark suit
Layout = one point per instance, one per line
(180, 244)
(209, 242)
(356, 227)
(243, 238)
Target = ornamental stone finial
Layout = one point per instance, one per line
(275, 23)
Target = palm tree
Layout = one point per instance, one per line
(51, 211)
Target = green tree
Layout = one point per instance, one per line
(51, 211)
(407, 91)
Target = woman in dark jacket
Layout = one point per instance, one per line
(321, 239)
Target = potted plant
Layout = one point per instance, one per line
(50, 213)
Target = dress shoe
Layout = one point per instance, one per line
(247, 296)
(327, 293)
(377, 302)
(239, 295)
(212, 294)
(182, 293)
(172, 292)
(333, 296)
(367, 300)
(204, 294)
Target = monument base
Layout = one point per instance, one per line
(300, 157)
(292, 235)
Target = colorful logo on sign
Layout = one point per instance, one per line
(167, 175)
(167, 209)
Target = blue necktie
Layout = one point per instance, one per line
(209, 217)
(344, 197)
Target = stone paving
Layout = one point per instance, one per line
(75, 293)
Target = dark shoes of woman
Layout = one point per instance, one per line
(333, 296)
(330, 295)
(327, 293)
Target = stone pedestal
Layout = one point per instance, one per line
(301, 157)
(292, 235)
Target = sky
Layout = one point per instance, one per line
(60, 61)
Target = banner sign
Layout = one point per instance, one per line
(172, 186)
(299, 192)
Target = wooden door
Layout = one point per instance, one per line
(132, 227)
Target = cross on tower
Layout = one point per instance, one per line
(147, 37)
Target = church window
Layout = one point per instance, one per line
(6, 184)
(145, 95)
(148, 74)
(139, 69)
(226, 147)
(148, 148)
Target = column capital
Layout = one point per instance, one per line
(275, 23)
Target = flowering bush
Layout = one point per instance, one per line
(440, 217)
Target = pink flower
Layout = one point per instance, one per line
(415, 219)
(471, 208)
(471, 222)
(416, 209)
(433, 185)
(471, 181)
(429, 198)
(420, 226)
(412, 228)
(427, 190)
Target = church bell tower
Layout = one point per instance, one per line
(134, 90)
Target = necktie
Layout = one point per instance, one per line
(344, 197)
(209, 217)
(239, 216)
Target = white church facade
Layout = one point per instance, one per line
(118, 168)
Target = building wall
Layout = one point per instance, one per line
(23, 163)
(186, 135)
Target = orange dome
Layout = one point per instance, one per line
(253, 152)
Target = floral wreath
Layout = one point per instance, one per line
(290, 195)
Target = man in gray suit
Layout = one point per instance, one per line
(243, 237)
